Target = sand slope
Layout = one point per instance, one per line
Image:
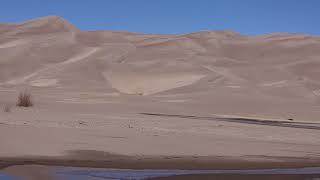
(90, 88)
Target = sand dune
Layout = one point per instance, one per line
(89, 84)
(133, 63)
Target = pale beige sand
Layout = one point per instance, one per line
(90, 88)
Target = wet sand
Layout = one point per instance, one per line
(100, 159)
(240, 177)
(40, 172)
(24, 166)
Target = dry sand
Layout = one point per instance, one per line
(91, 89)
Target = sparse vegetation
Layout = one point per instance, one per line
(25, 99)
(7, 108)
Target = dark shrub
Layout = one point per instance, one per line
(25, 99)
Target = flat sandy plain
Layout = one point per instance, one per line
(212, 99)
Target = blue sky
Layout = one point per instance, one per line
(174, 16)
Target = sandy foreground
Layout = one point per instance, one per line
(115, 133)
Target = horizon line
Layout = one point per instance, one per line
(157, 33)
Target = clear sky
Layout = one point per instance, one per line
(174, 16)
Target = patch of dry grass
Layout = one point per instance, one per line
(25, 99)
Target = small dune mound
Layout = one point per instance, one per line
(147, 84)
